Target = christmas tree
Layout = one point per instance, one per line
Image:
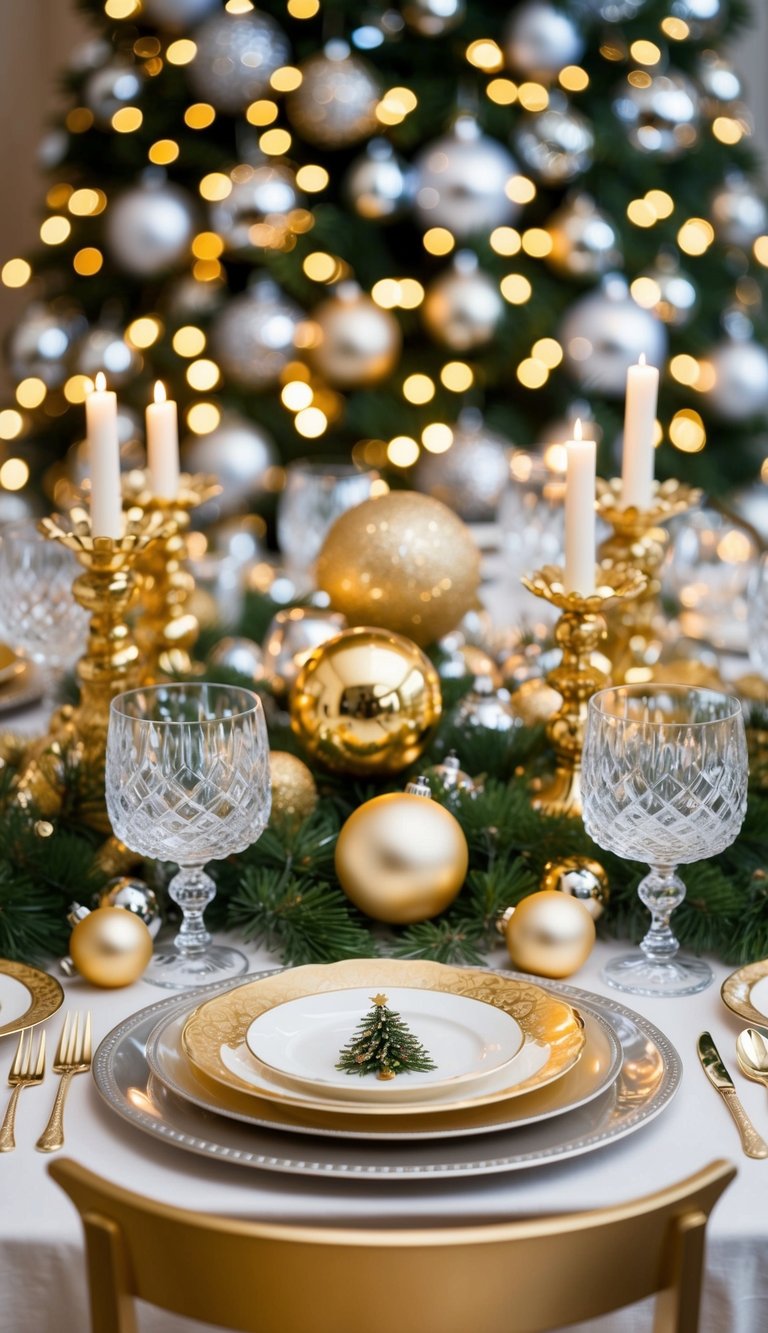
(413, 233)
(384, 1045)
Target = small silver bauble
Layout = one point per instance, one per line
(237, 54)
(357, 343)
(678, 295)
(105, 349)
(133, 895)
(604, 333)
(187, 299)
(531, 661)
(238, 654)
(557, 144)
(241, 539)
(177, 15)
(433, 18)
(252, 337)
(486, 707)
(739, 212)
(240, 454)
(718, 80)
(335, 104)
(463, 306)
(580, 877)
(379, 185)
(540, 40)
(106, 90)
(470, 477)
(740, 389)
(262, 194)
(613, 11)
(451, 777)
(291, 637)
(585, 243)
(461, 179)
(149, 228)
(41, 342)
(662, 117)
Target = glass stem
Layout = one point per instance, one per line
(192, 890)
(661, 891)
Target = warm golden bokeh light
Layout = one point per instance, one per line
(55, 230)
(86, 203)
(505, 241)
(645, 52)
(127, 119)
(88, 261)
(77, 388)
(163, 152)
(78, 120)
(532, 373)
(502, 91)
(515, 288)
(438, 241)
(312, 178)
(520, 190)
(121, 9)
(11, 423)
(286, 79)
(675, 28)
(203, 375)
(17, 272)
(207, 245)
(215, 186)
(181, 52)
(662, 203)
(533, 96)
(437, 437)
(536, 242)
(641, 213)
(188, 340)
(303, 9)
(310, 422)
(728, 130)
(321, 267)
(296, 395)
(14, 474)
(457, 376)
(418, 389)
(262, 112)
(30, 392)
(686, 431)
(144, 331)
(573, 78)
(275, 142)
(485, 54)
(202, 418)
(199, 116)
(695, 236)
(549, 351)
(403, 451)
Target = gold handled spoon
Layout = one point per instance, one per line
(752, 1054)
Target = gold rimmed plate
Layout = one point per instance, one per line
(27, 996)
(745, 992)
(10, 664)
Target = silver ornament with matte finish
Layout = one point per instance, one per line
(604, 333)
(239, 654)
(237, 54)
(463, 306)
(556, 145)
(540, 40)
(433, 18)
(660, 118)
(149, 228)
(107, 90)
(357, 343)
(738, 211)
(585, 243)
(470, 476)
(105, 349)
(177, 15)
(252, 338)
(719, 81)
(740, 389)
(290, 638)
(42, 340)
(461, 180)
(486, 708)
(133, 895)
(335, 104)
(379, 185)
(261, 197)
(240, 454)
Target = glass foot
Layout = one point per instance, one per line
(176, 971)
(639, 975)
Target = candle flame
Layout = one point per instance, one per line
(101, 382)
(641, 359)
(577, 431)
(160, 394)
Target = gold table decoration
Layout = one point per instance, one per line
(578, 633)
(640, 541)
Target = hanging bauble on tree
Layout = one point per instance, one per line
(703, 17)
(667, 291)
(613, 11)
(379, 184)
(149, 227)
(237, 54)
(42, 340)
(463, 306)
(470, 476)
(403, 561)
(740, 389)
(451, 777)
(335, 103)
(252, 337)
(604, 333)
(240, 454)
(366, 702)
(738, 211)
(237, 653)
(294, 794)
(535, 702)
(185, 298)
(109, 947)
(540, 40)
(461, 182)
(402, 857)
(256, 213)
(585, 243)
(660, 116)
(549, 934)
(106, 349)
(111, 88)
(557, 144)
(133, 895)
(485, 708)
(177, 15)
(433, 18)
(291, 636)
(355, 342)
(718, 80)
(581, 877)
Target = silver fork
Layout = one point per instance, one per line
(27, 1070)
(73, 1056)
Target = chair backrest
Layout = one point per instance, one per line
(505, 1277)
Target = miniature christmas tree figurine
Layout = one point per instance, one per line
(383, 1045)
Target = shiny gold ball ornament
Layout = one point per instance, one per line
(110, 947)
(401, 857)
(549, 934)
(294, 794)
(403, 561)
(366, 702)
(583, 878)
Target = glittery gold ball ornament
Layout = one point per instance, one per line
(110, 947)
(535, 701)
(403, 561)
(294, 794)
(549, 934)
(402, 857)
(366, 702)
(582, 877)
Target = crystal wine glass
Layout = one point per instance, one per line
(316, 494)
(757, 618)
(38, 613)
(664, 780)
(187, 780)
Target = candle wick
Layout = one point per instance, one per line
(577, 431)
(101, 381)
(641, 359)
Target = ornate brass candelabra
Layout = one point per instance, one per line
(578, 633)
(635, 625)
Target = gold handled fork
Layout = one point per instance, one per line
(73, 1056)
(26, 1070)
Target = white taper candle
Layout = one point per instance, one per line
(580, 514)
(104, 461)
(163, 446)
(637, 461)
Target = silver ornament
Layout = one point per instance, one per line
(752, 504)
(238, 654)
(740, 389)
(738, 211)
(291, 637)
(149, 228)
(188, 299)
(451, 777)
(177, 15)
(604, 333)
(252, 338)
(91, 54)
(463, 306)
(379, 185)
(531, 661)
(461, 179)
(673, 296)
(471, 475)
(433, 18)
(41, 342)
(580, 877)
(261, 197)
(106, 349)
(133, 895)
(107, 90)
(335, 104)
(240, 454)
(540, 40)
(719, 81)
(702, 16)
(240, 539)
(585, 243)
(486, 708)
(613, 11)
(374, 27)
(661, 117)
(557, 144)
(357, 343)
(237, 54)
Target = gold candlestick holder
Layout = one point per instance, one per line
(166, 630)
(578, 633)
(635, 626)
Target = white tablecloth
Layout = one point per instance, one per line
(42, 1286)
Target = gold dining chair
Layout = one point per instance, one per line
(501, 1277)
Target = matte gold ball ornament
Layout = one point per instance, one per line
(110, 947)
(549, 934)
(294, 794)
(583, 878)
(401, 857)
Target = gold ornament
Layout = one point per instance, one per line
(403, 561)
(535, 702)
(110, 947)
(294, 794)
(582, 877)
(401, 857)
(549, 934)
(366, 702)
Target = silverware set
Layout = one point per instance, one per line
(73, 1056)
(752, 1057)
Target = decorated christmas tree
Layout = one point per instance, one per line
(384, 1045)
(415, 233)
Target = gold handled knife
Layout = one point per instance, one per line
(720, 1079)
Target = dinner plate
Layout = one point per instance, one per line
(27, 996)
(649, 1077)
(553, 1039)
(24, 687)
(10, 664)
(299, 1043)
(746, 992)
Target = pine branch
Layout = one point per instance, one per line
(304, 922)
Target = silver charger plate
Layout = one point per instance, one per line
(649, 1078)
